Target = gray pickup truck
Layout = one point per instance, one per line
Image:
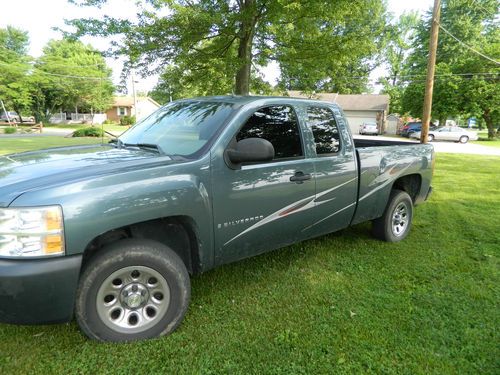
(111, 233)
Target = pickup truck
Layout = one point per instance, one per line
(110, 234)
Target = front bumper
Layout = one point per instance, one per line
(38, 291)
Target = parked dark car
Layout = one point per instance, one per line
(411, 127)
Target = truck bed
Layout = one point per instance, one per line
(363, 142)
(380, 164)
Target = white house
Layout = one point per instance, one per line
(124, 106)
(358, 109)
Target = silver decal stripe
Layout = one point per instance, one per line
(388, 180)
(329, 216)
(298, 206)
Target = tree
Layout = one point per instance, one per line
(14, 69)
(467, 83)
(178, 82)
(398, 42)
(70, 75)
(329, 45)
(320, 37)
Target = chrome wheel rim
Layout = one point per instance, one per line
(400, 218)
(133, 299)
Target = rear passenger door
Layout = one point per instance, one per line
(335, 170)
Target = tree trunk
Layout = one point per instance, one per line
(246, 34)
(442, 120)
(489, 123)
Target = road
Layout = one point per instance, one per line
(445, 147)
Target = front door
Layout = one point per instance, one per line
(263, 206)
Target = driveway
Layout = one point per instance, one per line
(445, 147)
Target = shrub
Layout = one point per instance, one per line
(109, 122)
(127, 120)
(9, 130)
(88, 132)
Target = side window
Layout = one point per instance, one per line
(277, 124)
(325, 130)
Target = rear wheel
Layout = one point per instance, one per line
(395, 223)
(430, 138)
(463, 139)
(132, 290)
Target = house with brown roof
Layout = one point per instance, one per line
(358, 109)
(124, 106)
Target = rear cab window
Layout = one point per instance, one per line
(324, 127)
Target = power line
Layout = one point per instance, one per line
(469, 47)
(485, 11)
(63, 65)
(54, 74)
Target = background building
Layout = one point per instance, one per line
(358, 109)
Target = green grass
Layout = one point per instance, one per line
(13, 145)
(487, 142)
(107, 127)
(342, 303)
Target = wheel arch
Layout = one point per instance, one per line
(177, 232)
(412, 184)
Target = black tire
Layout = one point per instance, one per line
(463, 139)
(384, 228)
(150, 257)
(430, 137)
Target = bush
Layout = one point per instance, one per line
(127, 120)
(109, 122)
(88, 132)
(10, 130)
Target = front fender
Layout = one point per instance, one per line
(104, 203)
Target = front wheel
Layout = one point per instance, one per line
(430, 138)
(463, 139)
(395, 223)
(132, 290)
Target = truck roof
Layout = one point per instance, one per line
(246, 99)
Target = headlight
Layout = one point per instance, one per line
(31, 232)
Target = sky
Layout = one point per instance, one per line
(39, 17)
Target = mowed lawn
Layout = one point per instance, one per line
(10, 145)
(342, 303)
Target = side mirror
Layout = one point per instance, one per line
(251, 150)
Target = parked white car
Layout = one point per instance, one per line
(449, 133)
(368, 128)
(14, 117)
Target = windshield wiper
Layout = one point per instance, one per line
(144, 146)
(116, 141)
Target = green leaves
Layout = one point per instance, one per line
(316, 43)
(69, 74)
(466, 83)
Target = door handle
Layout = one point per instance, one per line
(300, 177)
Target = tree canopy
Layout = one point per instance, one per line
(317, 43)
(466, 81)
(398, 41)
(68, 75)
(71, 75)
(14, 69)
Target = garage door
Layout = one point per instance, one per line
(356, 119)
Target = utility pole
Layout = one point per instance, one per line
(431, 67)
(5, 111)
(135, 96)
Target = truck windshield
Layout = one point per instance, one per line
(179, 128)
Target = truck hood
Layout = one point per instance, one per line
(39, 169)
